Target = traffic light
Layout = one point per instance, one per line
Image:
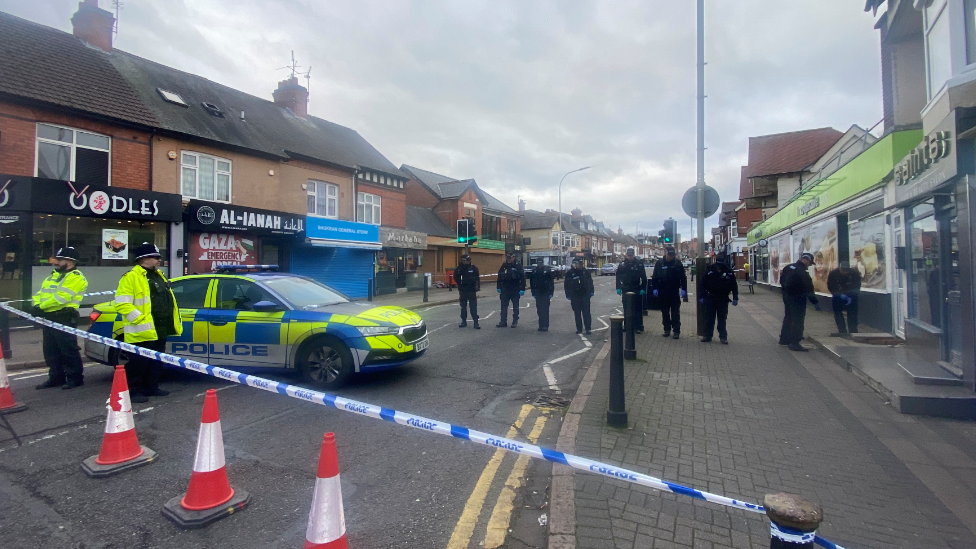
(667, 235)
(466, 231)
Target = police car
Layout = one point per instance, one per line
(266, 319)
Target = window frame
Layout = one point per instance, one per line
(375, 204)
(312, 190)
(74, 146)
(196, 168)
(928, 24)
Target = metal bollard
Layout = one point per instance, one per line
(793, 521)
(617, 412)
(630, 346)
(426, 286)
(369, 290)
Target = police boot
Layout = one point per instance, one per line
(476, 327)
(515, 323)
(464, 323)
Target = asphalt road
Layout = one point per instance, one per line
(401, 487)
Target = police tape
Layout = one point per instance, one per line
(408, 420)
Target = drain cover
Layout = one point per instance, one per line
(550, 401)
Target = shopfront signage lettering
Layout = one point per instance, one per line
(398, 238)
(101, 203)
(811, 205)
(336, 229)
(211, 250)
(36, 194)
(213, 217)
(934, 148)
(930, 164)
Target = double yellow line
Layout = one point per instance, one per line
(501, 515)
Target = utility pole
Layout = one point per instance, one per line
(700, 261)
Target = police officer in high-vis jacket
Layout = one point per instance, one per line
(58, 301)
(150, 314)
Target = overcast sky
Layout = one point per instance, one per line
(517, 93)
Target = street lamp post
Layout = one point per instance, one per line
(560, 212)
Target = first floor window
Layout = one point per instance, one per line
(368, 208)
(323, 199)
(72, 155)
(205, 177)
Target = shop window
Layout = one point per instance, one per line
(323, 199)
(205, 177)
(368, 208)
(73, 155)
(925, 303)
(191, 293)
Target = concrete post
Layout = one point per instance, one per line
(630, 346)
(617, 412)
(793, 521)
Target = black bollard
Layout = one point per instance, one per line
(617, 413)
(630, 346)
(426, 285)
(793, 521)
(5, 334)
(369, 290)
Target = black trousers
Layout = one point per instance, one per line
(513, 298)
(142, 374)
(716, 307)
(795, 313)
(670, 311)
(581, 312)
(849, 327)
(468, 299)
(542, 307)
(636, 307)
(61, 352)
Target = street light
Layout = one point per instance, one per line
(560, 212)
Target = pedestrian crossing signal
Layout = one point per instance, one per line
(667, 235)
(466, 231)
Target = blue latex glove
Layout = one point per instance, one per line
(844, 297)
(655, 293)
(735, 302)
(550, 296)
(684, 294)
(702, 301)
(619, 291)
(521, 292)
(642, 292)
(591, 295)
(569, 298)
(817, 307)
(499, 290)
(850, 300)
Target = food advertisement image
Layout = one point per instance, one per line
(819, 239)
(779, 256)
(867, 252)
(115, 244)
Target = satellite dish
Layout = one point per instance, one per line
(689, 203)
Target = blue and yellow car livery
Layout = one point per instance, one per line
(278, 320)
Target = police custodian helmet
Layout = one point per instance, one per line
(67, 252)
(146, 250)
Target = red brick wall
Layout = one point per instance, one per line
(418, 195)
(393, 206)
(18, 130)
(745, 218)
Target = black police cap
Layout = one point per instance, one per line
(68, 252)
(146, 250)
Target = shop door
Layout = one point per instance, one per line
(13, 270)
(953, 294)
(900, 301)
(401, 271)
(240, 336)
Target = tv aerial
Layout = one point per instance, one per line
(294, 66)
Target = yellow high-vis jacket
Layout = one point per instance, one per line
(132, 301)
(61, 291)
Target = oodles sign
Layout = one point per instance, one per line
(63, 197)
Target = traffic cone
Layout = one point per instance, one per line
(120, 446)
(7, 403)
(326, 522)
(210, 496)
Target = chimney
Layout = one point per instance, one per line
(620, 231)
(521, 205)
(577, 213)
(292, 96)
(93, 25)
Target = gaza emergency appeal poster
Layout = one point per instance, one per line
(115, 244)
(819, 239)
(867, 246)
(211, 250)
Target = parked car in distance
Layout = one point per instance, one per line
(608, 269)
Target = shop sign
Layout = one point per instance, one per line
(211, 250)
(491, 244)
(211, 216)
(398, 238)
(64, 197)
(344, 231)
(811, 205)
(930, 164)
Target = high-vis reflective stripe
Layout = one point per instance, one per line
(136, 328)
(326, 522)
(60, 291)
(140, 302)
(210, 448)
(119, 421)
(124, 299)
(133, 316)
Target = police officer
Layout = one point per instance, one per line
(511, 285)
(670, 285)
(797, 289)
(58, 301)
(469, 284)
(579, 290)
(632, 277)
(543, 287)
(718, 282)
(844, 284)
(150, 314)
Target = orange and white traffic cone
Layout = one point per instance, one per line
(7, 403)
(120, 446)
(326, 521)
(210, 496)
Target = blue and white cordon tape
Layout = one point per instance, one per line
(409, 420)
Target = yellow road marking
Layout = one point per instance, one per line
(501, 516)
(472, 509)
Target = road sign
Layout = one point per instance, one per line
(689, 203)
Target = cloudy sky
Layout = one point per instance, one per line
(515, 93)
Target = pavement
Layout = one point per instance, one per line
(752, 418)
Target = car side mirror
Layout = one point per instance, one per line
(266, 307)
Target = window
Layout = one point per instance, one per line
(241, 295)
(73, 155)
(938, 63)
(191, 293)
(368, 208)
(171, 97)
(970, 18)
(323, 199)
(205, 177)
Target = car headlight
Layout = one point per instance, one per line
(378, 330)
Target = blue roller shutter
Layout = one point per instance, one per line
(345, 269)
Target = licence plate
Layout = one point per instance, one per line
(421, 345)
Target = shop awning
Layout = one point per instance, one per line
(326, 243)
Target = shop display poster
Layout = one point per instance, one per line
(115, 244)
(867, 252)
(819, 239)
(208, 251)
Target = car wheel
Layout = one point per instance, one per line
(325, 363)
